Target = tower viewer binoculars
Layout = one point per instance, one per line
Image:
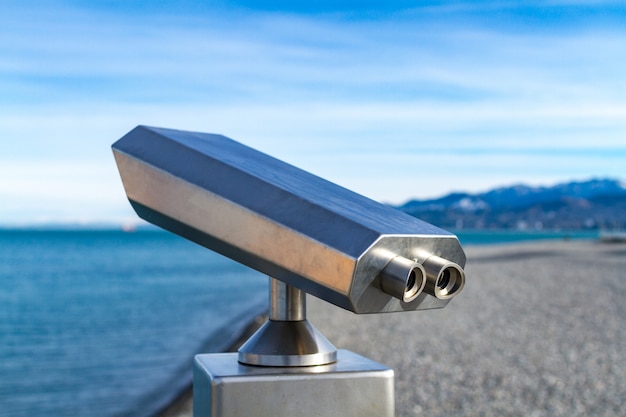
(309, 236)
(321, 238)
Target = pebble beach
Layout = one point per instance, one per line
(539, 330)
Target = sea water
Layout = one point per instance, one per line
(106, 323)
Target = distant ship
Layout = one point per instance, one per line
(129, 227)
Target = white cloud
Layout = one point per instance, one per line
(378, 106)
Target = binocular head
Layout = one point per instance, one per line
(287, 223)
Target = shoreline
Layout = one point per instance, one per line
(539, 329)
(183, 406)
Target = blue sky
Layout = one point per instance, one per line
(390, 99)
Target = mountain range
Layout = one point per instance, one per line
(580, 205)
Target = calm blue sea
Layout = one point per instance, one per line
(106, 323)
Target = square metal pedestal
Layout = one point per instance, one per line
(352, 386)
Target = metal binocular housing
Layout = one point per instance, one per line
(298, 228)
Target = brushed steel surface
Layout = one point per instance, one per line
(287, 344)
(444, 279)
(403, 278)
(287, 303)
(353, 386)
(278, 219)
(287, 338)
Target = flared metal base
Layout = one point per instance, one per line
(287, 343)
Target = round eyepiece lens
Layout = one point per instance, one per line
(410, 282)
(444, 280)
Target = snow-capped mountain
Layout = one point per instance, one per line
(591, 204)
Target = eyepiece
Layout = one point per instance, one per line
(403, 279)
(444, 279)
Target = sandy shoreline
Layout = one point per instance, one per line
(539, 330)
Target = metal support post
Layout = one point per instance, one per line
(288, 368)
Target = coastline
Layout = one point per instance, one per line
(538, 330)
(182, 406)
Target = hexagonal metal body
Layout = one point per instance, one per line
(276, 218)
